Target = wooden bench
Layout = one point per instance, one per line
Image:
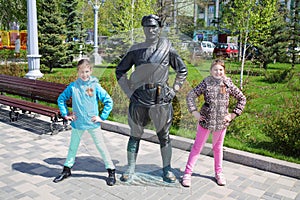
(32, 91)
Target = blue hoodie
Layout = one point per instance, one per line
(85, 106)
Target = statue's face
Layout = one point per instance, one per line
(151, 32)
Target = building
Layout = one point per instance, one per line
(209, 11)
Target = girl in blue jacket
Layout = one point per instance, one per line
(85, 93)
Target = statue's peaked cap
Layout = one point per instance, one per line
(151, 20)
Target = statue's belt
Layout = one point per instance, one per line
(151, 86)
(156, 86)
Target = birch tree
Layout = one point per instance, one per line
(238, 17)
(255, 22)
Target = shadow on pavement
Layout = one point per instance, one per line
(26, 122)
(84, 163)
(146, 175)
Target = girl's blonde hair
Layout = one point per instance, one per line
(218, 62)
(84, 63)
(221, 63)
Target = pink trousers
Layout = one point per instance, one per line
(217, 143)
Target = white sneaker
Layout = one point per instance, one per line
(220, 179)
(186, 180)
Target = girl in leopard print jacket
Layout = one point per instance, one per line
(213, 117)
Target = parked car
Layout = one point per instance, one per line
(194, 49)
(296, 54)
(226, 50)
(207, 48)
(204, 48)
(91, 42)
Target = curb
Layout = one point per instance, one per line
(241, 157)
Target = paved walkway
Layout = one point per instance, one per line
(30, 158)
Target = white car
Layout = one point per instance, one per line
(207, 48)
(297, 54)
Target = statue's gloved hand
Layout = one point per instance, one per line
(169, 96)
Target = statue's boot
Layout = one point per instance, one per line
(132, 151)
(166, 153)
(127, 175)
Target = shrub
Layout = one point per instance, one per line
(279, 76)
(294, 84)
(9, 54)
(14, 69)
(283, 128)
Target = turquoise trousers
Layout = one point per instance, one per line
(99, 142)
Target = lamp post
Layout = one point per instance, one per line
(32, 47)
(96, 57)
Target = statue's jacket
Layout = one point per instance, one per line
(151, 72)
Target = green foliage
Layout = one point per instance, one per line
(122, 16)
(294, 84)
(13, 11)
(294, 32)
(175, 39)
(270, 34)
(279, 76)
(9, 54)
(117, 45)
(262, 24)
(186, 25)
(13, 69)
(6, 53)
(242, 10)
(283, 127)
(51, 35)
(74, 34)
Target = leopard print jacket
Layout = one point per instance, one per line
(216, 104)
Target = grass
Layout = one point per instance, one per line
(245, 133)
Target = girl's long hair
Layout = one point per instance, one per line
(222, 63)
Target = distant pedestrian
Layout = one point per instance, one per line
(17, 46)
(86, 92)
(213, 117)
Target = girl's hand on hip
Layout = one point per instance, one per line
(96, 119)
(198, 116)
(70, 117)
(228, 118)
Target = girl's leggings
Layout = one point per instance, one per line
(217, 142)
(99, 142)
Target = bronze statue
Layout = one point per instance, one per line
(149, 93)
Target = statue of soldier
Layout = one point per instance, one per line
(149, 93)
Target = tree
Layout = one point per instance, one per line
(259, 23)
(74, 33)
(123, 15)
(13, 11)
(269, 30)
(51, 31)
(238, 17)
(294, 27)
